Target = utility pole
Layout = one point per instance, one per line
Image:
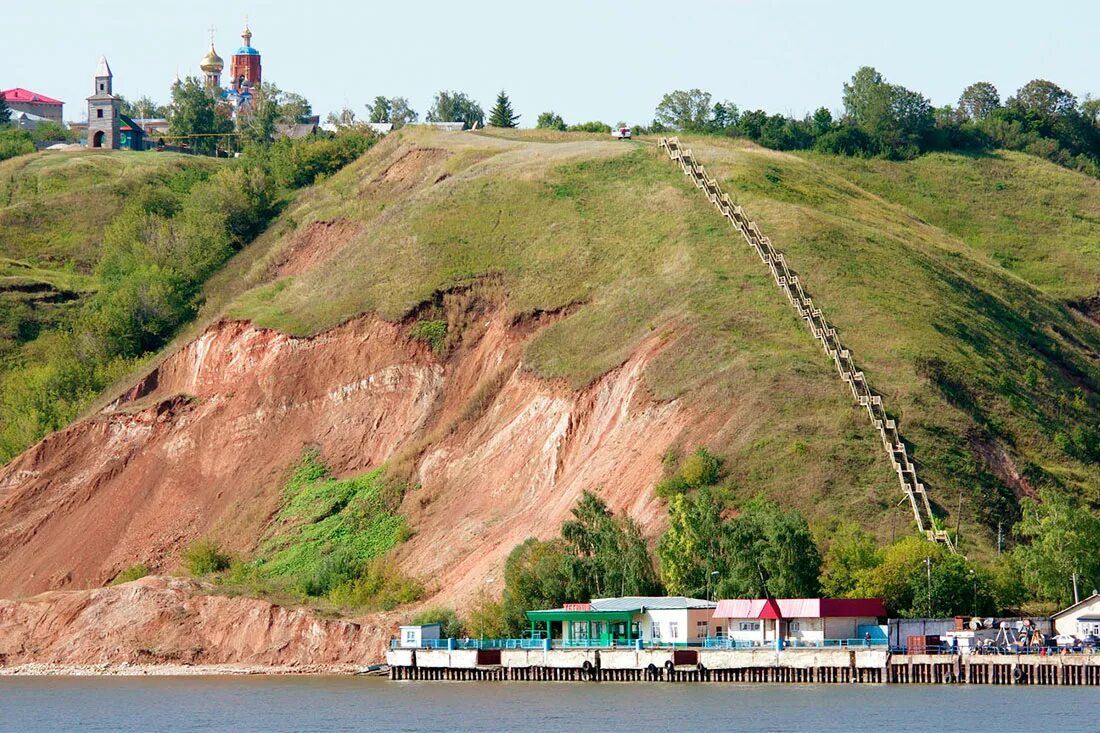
(1076, 598)
(1000, 537)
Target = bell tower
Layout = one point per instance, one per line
(245, 66)
(103, 108)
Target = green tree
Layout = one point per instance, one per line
(294, 107)
(344, 118)
(918, 578)
(451, 625)
(142, 107)
(195, 112)
(978, 101)
(550, 121)
(401, 113)
(690, 110)
(50, 131)
(694, 545)
(456, 107)
(821, 121)
(771, 554)
(378, 111)
(1044, 98)
(258, 128)
(537, 575)
(1059, 538)
(502, 114)
(862, 93)
(611, 553)
(852, 552)
(5, 112)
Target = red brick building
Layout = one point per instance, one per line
(244, 67)
(23, 100)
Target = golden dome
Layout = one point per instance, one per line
(212, 61)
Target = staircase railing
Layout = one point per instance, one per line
(791, 286)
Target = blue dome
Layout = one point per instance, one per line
(247, 51)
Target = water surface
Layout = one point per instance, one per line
(186, 704)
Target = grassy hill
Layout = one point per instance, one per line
(950, 277)
(953, 279)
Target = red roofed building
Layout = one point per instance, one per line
(24, 100)
(801, 621)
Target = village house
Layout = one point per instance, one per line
(1080, 620)
(415, 636)
(35, 106)
(801, 621)
(676, 621)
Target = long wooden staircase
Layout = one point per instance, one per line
(791, 286)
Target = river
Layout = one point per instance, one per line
(187, 704)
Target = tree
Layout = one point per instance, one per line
(1044, 98)
(401, 113)
(294, 107)
(5, 112)
(502, 114)
(821, 121)
(14, 141)
(689, 111)
(771, 554)
(611, 553)
(852, 552)
(50, 131)
(344, 118)
(379, 110)
(694, 545)
(918, 578)
(861, 93)
(195, 112)
(537, 575)
(258, 128)
(1060, 538)
(550, 121)
(979, 100)
(724, 117)
(142, 107)
(456, 107)
(451, 626)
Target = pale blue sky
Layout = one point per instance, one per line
(585, 60)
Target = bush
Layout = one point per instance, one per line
(590, 127)
(433, 333)
(205, 557)
(134, 572)
(486, 619)
(700, 469)
(845, 140)
(14, 141)
(381, 587)
(298, 163)
(451, 625)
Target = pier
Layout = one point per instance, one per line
(819, 666)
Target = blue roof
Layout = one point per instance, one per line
(247, 51)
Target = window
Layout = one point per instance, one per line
(410, 636)
(655, 630)
(673, 629)
(701, 629)
(718, 631)
(793, 626)
(750, 626)
(99, 113)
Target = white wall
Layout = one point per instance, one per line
(1069, 623)
(687, 625)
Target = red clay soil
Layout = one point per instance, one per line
(316, 243)
(172, 621)
(202, 447)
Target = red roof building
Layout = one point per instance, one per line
(800, 621)
(24, 100)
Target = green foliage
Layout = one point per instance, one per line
(978, 101)
(502, 114)
(597, 555)
(701, 468)
(451, 625)
(379, 586)
(142, 107)
(433, 333)
(1060, 538)
(771, 553)
(328, 532)
(918, 578)
(694, 545)
(205, 557)
(299, 162)
(395, 110)
(485, 619)
(379, 110)
(5, 112)
(590, 127)
(194, 111)
(550, 121)
(689, 111)
(134, 572)
(455, 107)
(852, 552)
(14, 141)
(52, 132)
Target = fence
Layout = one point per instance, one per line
(791, 286)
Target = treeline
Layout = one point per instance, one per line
(157, 253)
(754, 548)
(887, 120)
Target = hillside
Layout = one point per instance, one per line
(599, 317)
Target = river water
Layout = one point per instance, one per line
(185, 704)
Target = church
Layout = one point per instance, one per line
(245, 74)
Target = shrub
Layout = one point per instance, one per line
(590, 127)
(381, 587)
(433, 333)
(205, 557)
(15, 142)
(700, 469)
(451, 625)
(486, 619)
(134, 572)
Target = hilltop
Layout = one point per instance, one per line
(501, 321)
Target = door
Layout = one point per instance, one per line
(97, 139)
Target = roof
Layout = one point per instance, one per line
(18, 94)
(247, 51)
(420, 626)
(1091, 599)
(649, 603)
(295, 130)
(800, 608)
(103, 69)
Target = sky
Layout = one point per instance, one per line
(595, 60)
